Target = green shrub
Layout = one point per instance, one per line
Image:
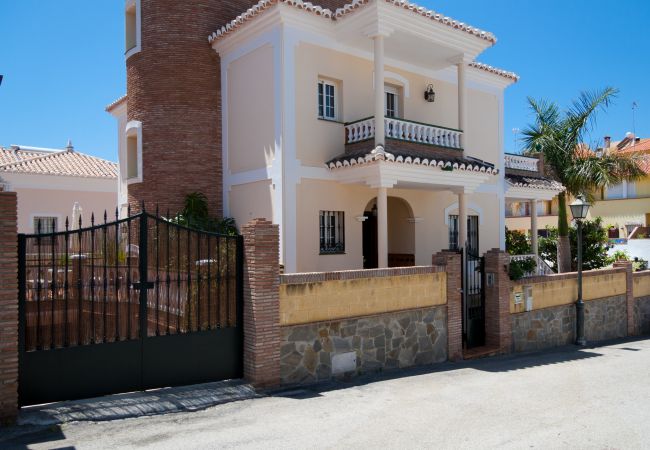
(517, 243)
(594, 249)
(518, 269)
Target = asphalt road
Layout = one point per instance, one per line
(567, 398)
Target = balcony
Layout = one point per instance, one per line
(519, 162)
(404, 130)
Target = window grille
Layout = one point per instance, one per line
(326, 100)
(332, 232)
(45, 225)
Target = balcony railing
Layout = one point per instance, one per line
(522, 163)
(542, 268)
(404, 130)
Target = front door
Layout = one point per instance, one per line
(370, 255)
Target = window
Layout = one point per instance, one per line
(326, 100)
(132, 164)
(45, 225)
(392, 102)
(472, 233)
(132, 27)
(332, 232)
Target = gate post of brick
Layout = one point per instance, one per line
(261, 303)
(498, 323)
(8, 307)
(452, 262)
(632, 329)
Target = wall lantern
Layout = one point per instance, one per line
(429, 94)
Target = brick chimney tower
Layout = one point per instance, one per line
(174, 98)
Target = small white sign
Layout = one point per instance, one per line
(344, 362)
(518, 298)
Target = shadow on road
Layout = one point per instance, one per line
(506, 363)
(24, 437)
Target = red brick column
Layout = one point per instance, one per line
(498, 324)
(452, 262)
(632, 329)
(8, 308)
(261, 303)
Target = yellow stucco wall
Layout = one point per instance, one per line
(621, 212)
(431, 233)
(564, 291)
(642, 284)
(329, 300)
(523, 223)
(251, 108)
(318, 140)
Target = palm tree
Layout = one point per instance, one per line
(558, 136)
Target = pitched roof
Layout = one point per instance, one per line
(62, 163)
(643, 145)
(397, 155)
(354, 5)
(533, 182)
(115, 103)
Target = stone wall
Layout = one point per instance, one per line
(606, 318)
(642, 314)
(555, 326)
(543, 328)
(318, 351)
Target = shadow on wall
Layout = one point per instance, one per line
(506, 363)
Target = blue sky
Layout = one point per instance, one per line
(63, 63)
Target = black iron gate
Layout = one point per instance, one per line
(473, 298)
(134, 304)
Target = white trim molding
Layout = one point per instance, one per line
(134, 128)
(471, 206)
(134, 4)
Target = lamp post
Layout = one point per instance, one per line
(579, 210)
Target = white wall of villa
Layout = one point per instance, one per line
(275, 146)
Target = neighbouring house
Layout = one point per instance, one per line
(531, 196)
(625, 206)
(49, 182)
(366, 129)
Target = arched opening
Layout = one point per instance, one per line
(401, 234)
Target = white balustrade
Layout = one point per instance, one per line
(541, 269)
(405, 131)
(522, 163)
(360, 131)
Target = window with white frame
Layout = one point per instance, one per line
(327, 100)
(132, 26)
(392, 102)
(133, 157)
(45, 224)
(332, 232)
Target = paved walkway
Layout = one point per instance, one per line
(567, 398)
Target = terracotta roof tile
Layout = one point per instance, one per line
(533, 182)
(110, 107)
(63, 163)
(643, 145)
(395, 155)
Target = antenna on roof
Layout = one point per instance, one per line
(634, 107)
(69, 147)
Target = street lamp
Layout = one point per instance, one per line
(579, 210)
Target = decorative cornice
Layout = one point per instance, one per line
(428, 13)
(535, 183)
(263, 5)
(494, 70)
(379, 154)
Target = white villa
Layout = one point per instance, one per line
(371, 134)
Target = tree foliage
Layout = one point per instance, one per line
(195, 214)
(559, 136)
(594, 248)
(517, 243)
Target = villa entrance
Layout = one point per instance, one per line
(401, 234)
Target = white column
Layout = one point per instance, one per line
(379, 90)
(462, 102)
(382, 227)
(462, 220)
(533, 227)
